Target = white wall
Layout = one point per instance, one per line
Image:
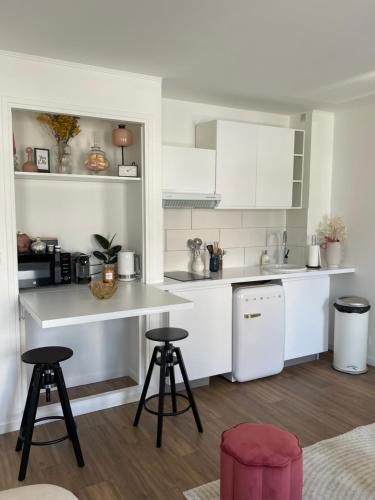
(57, 86)
(353, 198)
(243, 234)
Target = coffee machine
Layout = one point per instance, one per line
(81, 268)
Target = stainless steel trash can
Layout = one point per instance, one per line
(351, 335)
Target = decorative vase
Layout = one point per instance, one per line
(197, 265)
(333, 254)
(109, 273)
(23, 242)
(29, 165)
(63, 158)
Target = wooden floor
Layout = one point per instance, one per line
(81, 391)
(311, 400)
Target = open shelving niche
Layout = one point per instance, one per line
(73, 211)
(298, 162)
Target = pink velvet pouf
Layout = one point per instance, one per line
(260, 462)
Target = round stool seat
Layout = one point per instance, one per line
(260, 461)
(166, 334)
(47, 355)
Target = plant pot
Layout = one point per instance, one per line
(333, 254)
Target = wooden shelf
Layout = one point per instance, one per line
(74, 177)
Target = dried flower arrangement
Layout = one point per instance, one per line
(331, 230)
(62, 127)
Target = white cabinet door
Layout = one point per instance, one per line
(236, 164)
(306, 316)
(275, 146)
(188, 170)
(208, 349)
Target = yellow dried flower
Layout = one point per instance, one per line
(62, 127)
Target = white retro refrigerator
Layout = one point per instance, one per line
(258, 331)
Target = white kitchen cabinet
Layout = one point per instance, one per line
(306, 316)
(274, 181)
(188, 170)
(207, 351)
(235, 144)
(254, 163)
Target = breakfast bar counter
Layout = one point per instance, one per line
(74, 304)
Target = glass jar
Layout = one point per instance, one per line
(38, 246)
(109, 274)
(96, 160)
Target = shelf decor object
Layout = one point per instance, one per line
(122, 137)
(29, 165)
(63, 128)
(96, 160)
(41, 158)
(331, 232)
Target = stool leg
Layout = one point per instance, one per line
(145, 386)
(173, 387)
(30, 420)
(25, 413)
(188, 390)
(68, 415)
(163, 369)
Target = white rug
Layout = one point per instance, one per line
(341, 468)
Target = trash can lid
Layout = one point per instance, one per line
(352, 301)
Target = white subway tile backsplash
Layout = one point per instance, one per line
(216, 218)
(245, 237)
(296, 236)
(234, 257)
(296, 218)
(177, 261)
(176, 239)
(243, 234)
(177, 219)
(252, 256)
(263, 218)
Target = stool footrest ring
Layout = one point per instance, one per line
(170, 413)
(51, 441)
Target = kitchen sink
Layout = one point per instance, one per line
(284, 268)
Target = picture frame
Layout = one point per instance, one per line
(41, 159)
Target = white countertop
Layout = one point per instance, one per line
(74, 304)
(250, 274)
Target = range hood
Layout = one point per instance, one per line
(190, 200)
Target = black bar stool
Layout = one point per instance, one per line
(167, 356)
(46, 374)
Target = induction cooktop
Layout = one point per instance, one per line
(186, 276)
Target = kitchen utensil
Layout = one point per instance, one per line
(191, 244)
(198, 242)
(210, 249)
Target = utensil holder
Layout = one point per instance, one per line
(214, 263)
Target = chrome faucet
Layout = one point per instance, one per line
(285, 248)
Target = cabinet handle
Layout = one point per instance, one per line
(252, 315)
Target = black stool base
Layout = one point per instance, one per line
(167, 357)
(24, 441)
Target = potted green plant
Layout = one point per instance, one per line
(108, 256)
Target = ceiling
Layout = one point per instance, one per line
(285, 56)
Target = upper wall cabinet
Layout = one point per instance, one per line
(188, 170)
(274, 184)
(255, 164)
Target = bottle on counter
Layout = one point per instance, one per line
(265, 259)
